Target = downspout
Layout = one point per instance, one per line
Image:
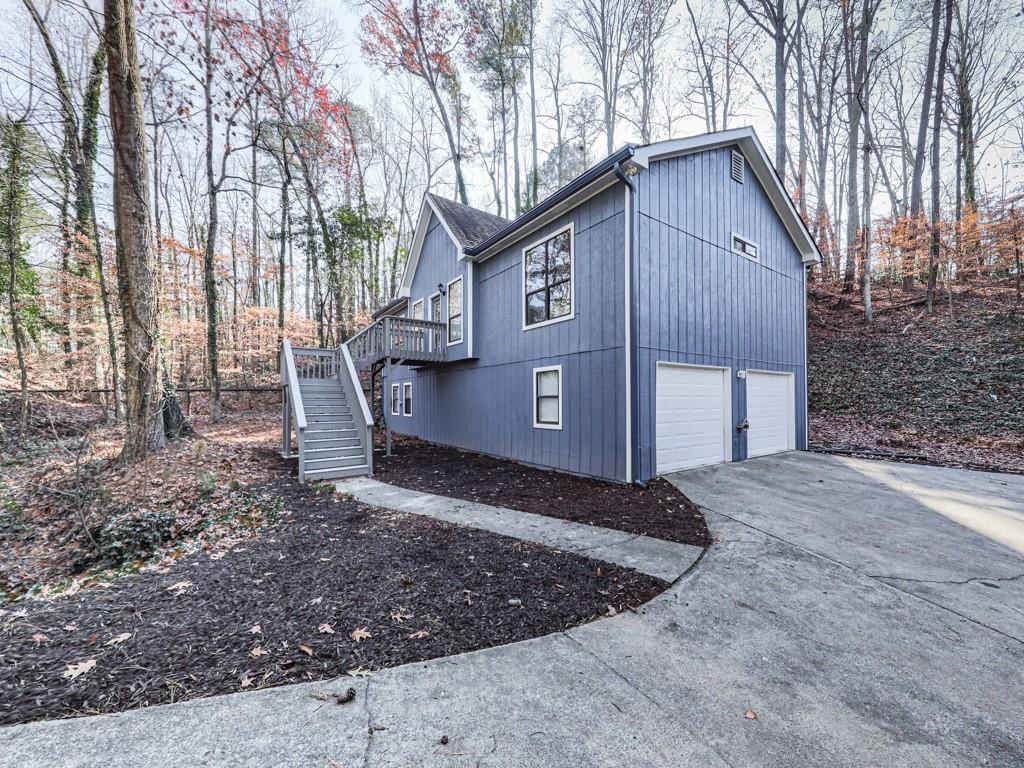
(631, 322)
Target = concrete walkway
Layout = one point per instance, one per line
(803, 638)
(664, 559)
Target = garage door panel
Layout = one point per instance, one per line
(770, 413)
(692, 407)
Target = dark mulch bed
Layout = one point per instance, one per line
(283, 608)
(658, 510)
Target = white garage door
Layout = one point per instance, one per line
(770, 413)
(692, 416)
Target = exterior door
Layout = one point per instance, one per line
(771, 413)
(692, 416)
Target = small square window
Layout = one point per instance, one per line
(744, 247)
(407, 397)
(395, 401)
(547, 397)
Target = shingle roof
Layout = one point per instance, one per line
(469, 225)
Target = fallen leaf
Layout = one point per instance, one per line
(77, 670)
(118, 639)
(306, 650)
(179, 587)
(256, 652)
(325, 629)
(71, 627)
(358, 672)
(255, 629)
(419, 635)
(316, 601)
(246, 681)
(362, 633)
(750, 714)
(40, 638)
(611, 610)
(400, 616)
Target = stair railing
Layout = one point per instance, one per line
(347, 370)
(292, 408)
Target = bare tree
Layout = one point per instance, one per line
(647, 60)
(605, 30)
(136, 256)
(772, 16)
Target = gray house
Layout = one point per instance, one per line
(647, 317)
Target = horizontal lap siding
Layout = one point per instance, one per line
(698, 302)
(486, 404)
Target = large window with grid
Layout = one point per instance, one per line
(547, 279)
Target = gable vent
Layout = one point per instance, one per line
(738, 165)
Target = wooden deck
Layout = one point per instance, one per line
(399, 339)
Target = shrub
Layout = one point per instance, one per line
(133, 535)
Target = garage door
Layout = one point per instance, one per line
(770, 413)
(692, 416)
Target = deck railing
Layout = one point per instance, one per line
(315, 363)
(399, 338)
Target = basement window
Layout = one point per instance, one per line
(407, 397)
(737, 166)
(547, 397)
(744, 247)
(395, 402)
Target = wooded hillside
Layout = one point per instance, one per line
(945, 387)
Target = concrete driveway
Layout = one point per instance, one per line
(850, 613)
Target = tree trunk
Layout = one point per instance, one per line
(210, 251)
(780, 89)
(917, 178)
(136, 263)
(286, 178)
(933, 250)
(15, 184)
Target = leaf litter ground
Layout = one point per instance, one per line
(333, 587)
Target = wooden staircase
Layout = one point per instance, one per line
(324, 403)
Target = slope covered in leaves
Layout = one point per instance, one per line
(946, 387)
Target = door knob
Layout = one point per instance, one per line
(743, 425)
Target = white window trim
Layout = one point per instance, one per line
(421, 306)
(396, 403)
(448, 314)
(407, 387)
(571, 229)
(533, 404)
(732, 243)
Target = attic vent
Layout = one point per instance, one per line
(738, 164)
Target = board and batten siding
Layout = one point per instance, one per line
(439, 263)
(485, 404)
(702, 304)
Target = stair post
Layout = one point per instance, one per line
(387, 411)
